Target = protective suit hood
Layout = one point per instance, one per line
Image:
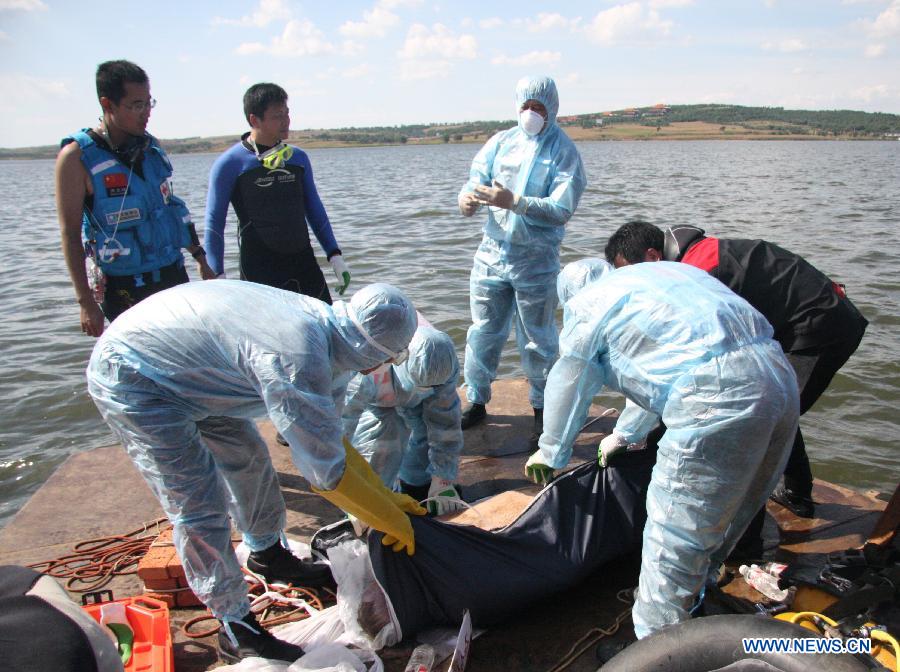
(374, 326)
(542, 89)
(432, 359)
(577, 275)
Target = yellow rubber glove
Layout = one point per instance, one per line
(369, 500)
(404, 502)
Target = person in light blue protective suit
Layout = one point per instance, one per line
(530, 178)
(404, 419)
(179, 379)
(684, 348)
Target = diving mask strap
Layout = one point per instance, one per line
(274, 157)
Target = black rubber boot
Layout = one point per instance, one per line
(537, 430)
(260, 643)
(804, 507)
(417, 492)
(278, 564)
(472, 415)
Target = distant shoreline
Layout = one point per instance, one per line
(307, 139)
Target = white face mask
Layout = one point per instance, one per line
(531, 122)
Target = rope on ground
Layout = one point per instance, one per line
(275, 604)
(594, 635)
(96, 561)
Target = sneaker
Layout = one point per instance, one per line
(278, 565)
(280, 439)
(472, 415)
(254, 640)
(537, 430)
(804, 507)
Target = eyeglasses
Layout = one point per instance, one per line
(140, 105)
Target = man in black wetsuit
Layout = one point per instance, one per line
(270, 184)
(817, 326)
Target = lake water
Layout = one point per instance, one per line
(394, 214)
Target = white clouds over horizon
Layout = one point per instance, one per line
(529, 59)
(268, 11)
(23, 5)
(631, 21)
(417, 61)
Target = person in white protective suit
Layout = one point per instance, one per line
(179, 379)
(530, 178)
(405, 420)
(686, 349)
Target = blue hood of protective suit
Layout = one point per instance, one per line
(543, 90)
(579, 274)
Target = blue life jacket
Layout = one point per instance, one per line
(136, 232)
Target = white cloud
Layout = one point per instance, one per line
(545, 22)
(413, 70)
(570, 79)
(299, 38)
(467, 22)
(875, 50)
(438, 41)
(17, 90)
(660, 4)
(531, 58)
(265, 13)
(393, 4)
(24, 5)
(869, 93)
(787, 46)
(493, 22)
(622, 22)
(376, 23)
(361, 70)
(3, 36)
(886, 24)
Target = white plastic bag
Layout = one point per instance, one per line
(367, 614)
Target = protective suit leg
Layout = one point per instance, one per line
(242, 457)
(380, 437)
(165, 445)
(425, 454)
(491, 299)
(536, 333)
(415, 466)
(727, 420)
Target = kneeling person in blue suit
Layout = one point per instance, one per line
(405, 420)
(685, 349)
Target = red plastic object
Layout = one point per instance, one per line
(149, 618)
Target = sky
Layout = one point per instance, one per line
(390, 62)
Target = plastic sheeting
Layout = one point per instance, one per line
(586, 517)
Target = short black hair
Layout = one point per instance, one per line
(112, 76)
(632, 241)
(260, 96)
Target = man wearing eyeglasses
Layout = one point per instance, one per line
(122, 226)
(270, 184)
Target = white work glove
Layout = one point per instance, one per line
(616, 443)
(468, 204)
(341, 272)
(443, 497)
(496, 195)
(537, 471)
